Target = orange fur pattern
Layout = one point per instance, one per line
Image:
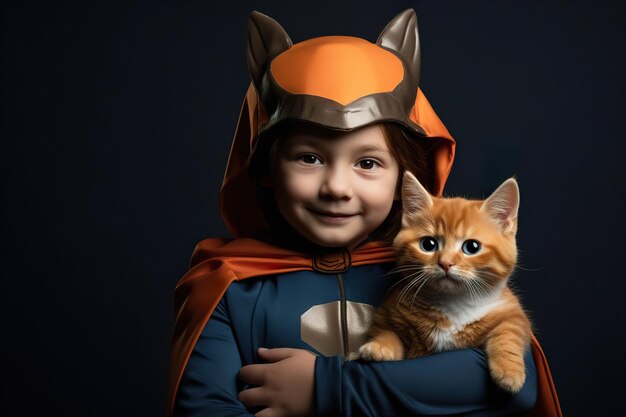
(454, 258)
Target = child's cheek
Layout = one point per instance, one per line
(299, 186)
(379, 196)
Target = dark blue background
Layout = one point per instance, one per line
(116, 123)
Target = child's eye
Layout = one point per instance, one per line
(309, 159)
(367, 164)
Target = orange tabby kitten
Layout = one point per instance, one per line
(455, 257)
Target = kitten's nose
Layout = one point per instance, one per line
(445, 264)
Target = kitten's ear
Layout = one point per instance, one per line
(415, 198)
(503, 204)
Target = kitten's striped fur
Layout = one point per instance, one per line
(430, 309)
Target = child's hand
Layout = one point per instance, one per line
(285, 384)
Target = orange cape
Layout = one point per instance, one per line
(216, 263)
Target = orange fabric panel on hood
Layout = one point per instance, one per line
(331, 67)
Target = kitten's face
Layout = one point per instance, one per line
(454, 246)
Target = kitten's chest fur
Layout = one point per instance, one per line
(427, 327)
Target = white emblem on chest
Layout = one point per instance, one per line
(320, 326)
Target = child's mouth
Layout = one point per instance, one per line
(330, 216)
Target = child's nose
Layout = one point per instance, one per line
(336, 185)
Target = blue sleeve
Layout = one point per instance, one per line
(455, 383)
(208, 387)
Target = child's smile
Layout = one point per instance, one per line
(332, 217)
(335, 188)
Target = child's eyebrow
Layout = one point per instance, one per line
(324, 143)
(371, 148)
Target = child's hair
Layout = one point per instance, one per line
(410, 153)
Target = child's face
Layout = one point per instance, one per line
(335, 188)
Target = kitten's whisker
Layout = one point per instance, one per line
(403, 268)
(488, 271)
(405, 291)
(490, 274)
(482, 287)
(528, 269)
(407, 288)
(417, 292)
(401, 272)
(476, 286)
(419, 280)
(423, 280)
(471, 288)
(404, 279)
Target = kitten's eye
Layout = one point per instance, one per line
(471, 247)
(428, 244)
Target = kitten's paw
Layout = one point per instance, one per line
(509, 376)
(374, 351)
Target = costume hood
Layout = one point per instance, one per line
(338, 82)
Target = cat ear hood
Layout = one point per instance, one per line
(339, 82)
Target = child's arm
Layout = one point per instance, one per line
(209, 383)
(450, 383)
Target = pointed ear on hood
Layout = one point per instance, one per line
(415, 198)
(401, 35)
(503, 204)
(266, 40)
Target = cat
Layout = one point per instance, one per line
(454, 259)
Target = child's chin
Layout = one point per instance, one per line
(334, 242)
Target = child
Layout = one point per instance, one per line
(326, 130)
